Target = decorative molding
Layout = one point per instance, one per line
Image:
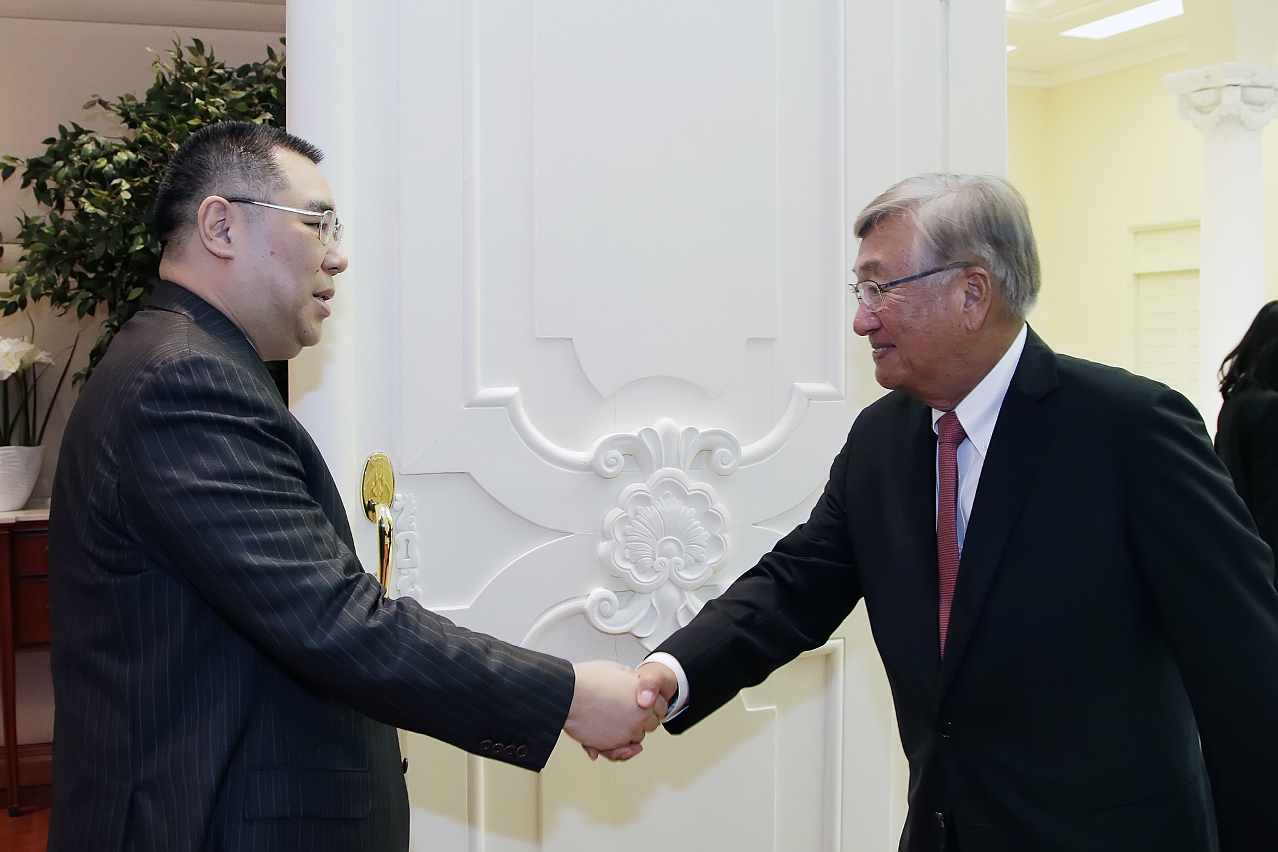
(665, 445)
(542, 447)
(1244, 91)
(1129, 58)
(667, 536)
(665, 539)
(407, 553)
(606, 456)
(802, 394)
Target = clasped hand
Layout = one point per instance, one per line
(613, 706)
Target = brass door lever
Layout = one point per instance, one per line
(378, 492)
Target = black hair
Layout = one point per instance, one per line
(221, 159)
(1254, 361)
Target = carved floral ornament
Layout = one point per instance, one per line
(665, 538)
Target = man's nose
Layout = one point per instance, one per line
(865, 320)
(335, 261)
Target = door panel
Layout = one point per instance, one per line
(599, 261)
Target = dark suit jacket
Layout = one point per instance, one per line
(225, 674)
(1113, 604)
(1247, 442)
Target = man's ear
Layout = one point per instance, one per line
(978, 296)
(217, 225)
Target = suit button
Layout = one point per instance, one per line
(521, 751)
(510, 751)
(947, 729)
(405, 766)
(485, 745)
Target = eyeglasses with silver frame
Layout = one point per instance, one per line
(870, 293)
(330, 229)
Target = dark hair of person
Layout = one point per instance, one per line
(1254, 361)
(229, 158)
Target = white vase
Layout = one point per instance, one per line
(19, 469)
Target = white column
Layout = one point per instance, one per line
(342, 97)
(321, 380)
(1230, 103)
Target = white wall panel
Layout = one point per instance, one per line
(655, 220)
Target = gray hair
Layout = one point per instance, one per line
(981, 218)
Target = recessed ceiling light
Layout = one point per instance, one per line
(1011, 47)
(1150, 13)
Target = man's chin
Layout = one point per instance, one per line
(310, 336)
(886, 375)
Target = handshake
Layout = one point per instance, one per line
(613, 706)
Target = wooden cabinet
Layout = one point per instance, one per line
(24, 618)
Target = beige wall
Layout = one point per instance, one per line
(48, 69)
(1096, 158)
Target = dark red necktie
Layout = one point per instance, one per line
(950, 435)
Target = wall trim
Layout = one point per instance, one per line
(1097, 67)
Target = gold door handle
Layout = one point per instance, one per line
(378, 492)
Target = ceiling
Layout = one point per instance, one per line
(1043, 57)
(254, 15)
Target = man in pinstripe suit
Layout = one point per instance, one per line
(226, 675)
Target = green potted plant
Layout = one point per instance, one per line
(22, 417)
(92, 250)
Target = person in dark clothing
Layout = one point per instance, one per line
(1247, 429)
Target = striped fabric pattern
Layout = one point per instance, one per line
(226, 676)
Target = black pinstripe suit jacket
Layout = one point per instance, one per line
(225, 674)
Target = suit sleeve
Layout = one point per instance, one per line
(224, 501)
(1211, 580)
(790, 602)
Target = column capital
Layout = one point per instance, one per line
(1246, 92)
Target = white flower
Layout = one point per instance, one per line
(36, 356)
(17, 354)
(10, 356)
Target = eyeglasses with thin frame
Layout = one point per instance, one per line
(330, 229)
(870, 293)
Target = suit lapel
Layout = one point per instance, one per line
(1024, 428)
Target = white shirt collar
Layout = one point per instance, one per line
(978, 411)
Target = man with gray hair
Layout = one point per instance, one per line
(1076, 615)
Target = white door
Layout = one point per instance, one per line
(597, 315)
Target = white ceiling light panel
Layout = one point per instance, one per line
(1141, 16)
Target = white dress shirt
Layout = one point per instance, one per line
(977, 414)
